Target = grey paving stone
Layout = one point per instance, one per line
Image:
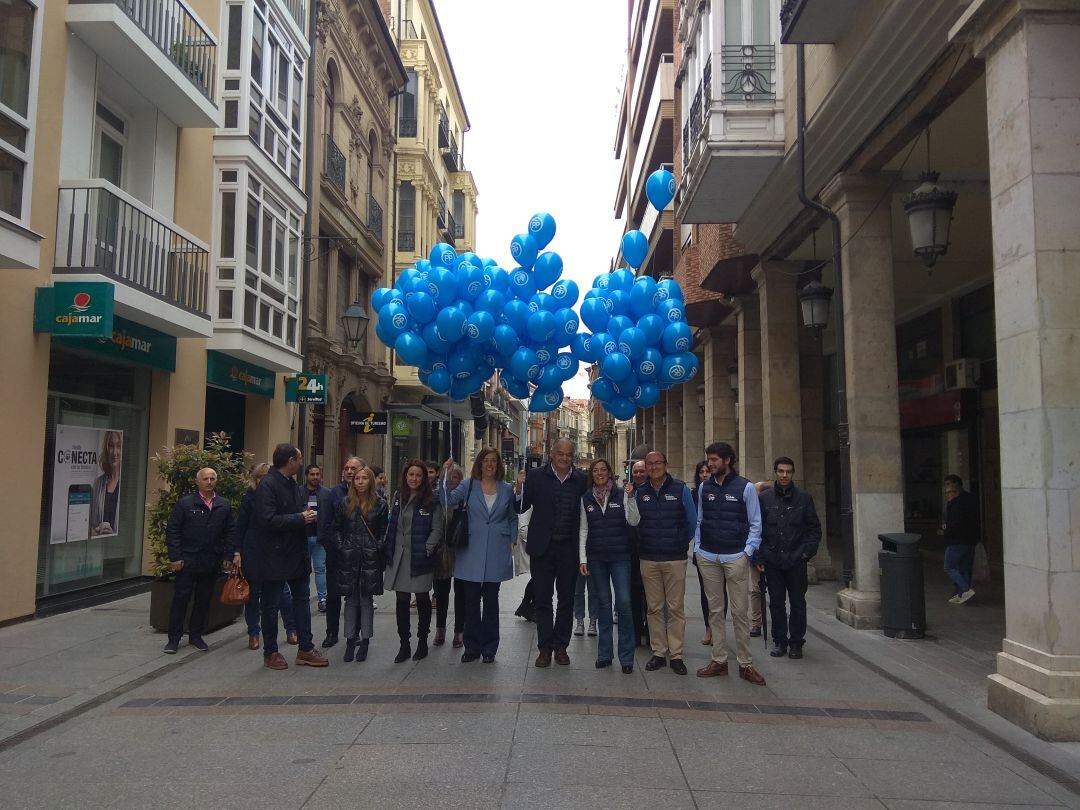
(582, 729)
(441, 727)
(916, 745)
(754, 772)
(718, 800)
(595, 766)
(341, 793)
(723, 738)
(449, 766)
(936, 781)
(908, 804)
(520, 796)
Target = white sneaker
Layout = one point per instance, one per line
(965, 596)
(579, 627)
(954, 600)
(614, 618)
(592, 627)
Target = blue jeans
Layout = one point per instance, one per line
(253, 609)
(317, 552)
(959, 559)
(617, 573)
(579, 599)
(301, 612)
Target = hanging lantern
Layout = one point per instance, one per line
(355, 322)
(733, 377)
(814, 301)
(929, 210)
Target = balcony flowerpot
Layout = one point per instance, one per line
(161, 597)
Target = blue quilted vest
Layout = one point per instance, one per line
(419, 562)
(662, 533)
(609, 533)
(724, 525)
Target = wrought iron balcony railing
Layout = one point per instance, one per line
(101, 229)
(444, 131)
(450, 154)
(407, 127)
(335, 164)
(374, 216)
(442, 211)
(408, 30)
(749, 72)
(406, 240)
(451, 226)
(459, 230)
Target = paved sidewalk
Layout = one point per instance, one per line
(125, 726)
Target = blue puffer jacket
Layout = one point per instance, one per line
(724, 524)
(609, 533)
(663, 533)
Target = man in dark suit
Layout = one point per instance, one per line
(281, 520)
(199, 536)
(555, 490)
(961, 530)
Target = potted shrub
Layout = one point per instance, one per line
(177, 467)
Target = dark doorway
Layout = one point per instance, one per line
(225, 414)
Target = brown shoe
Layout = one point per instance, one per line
(311, 658)
(253, 642)
(292, 638)
(748, 673)
(440, 636)
(544, 659)
(459, 640)
(713, 669)
(562, 658)
(275, 660)
(706, 640)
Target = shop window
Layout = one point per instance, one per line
(978, 338)
(919, 365)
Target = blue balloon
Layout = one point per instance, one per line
(435, 340)
(522, 284)
(677, 338)
(542, 229)
(438, 362)
(411, 349)
(497, 279)
(568, 322)
(439, 381)
(545, 353)
(601, 281)
(653, 327)
(442, 286)
(550, 379)
(506, 339)
(451, 323)
(627, 387)
(621, 408)
(635, 247)
(660, 189)
(405, 280)
(619, 324)
(523, 248)
(621, 279)
(541, 325)
(567, 365)
(617, 367)
(487, 262)
(606, 344)
(676, 368)
(515, 387)
(546, 402)
(384, 334)
(583, 347)
(524, 365)
(542, 301)
(592, 292)
(668, 288)
(641, 297)
(646, 395)
(516, 314)
(595, 314)
(601, 389)
(620, 302)
(632, 343)
(491, 301)
(547, 269)
(467, 258)
(671, 310)
(648, 367)
(470, 282)
(394, 319)
(480, 326)
(565, 292)
(381, 297)
(443, 255)
(462, 388)
(692, 365)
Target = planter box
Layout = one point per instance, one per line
(161, 596)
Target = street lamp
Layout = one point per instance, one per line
(733, 377)
(355, 322)
(929, 210)
(814, 301)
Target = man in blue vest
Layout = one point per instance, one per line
(666, 528)
(728, 536)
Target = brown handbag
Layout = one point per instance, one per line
(236, 589)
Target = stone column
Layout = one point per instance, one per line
(693, 435)
(673, 443)
(1032, 53)
(877, 486)
(751, 429)
(719, 353)
(812, 477)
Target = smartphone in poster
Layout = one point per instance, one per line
(86, 483)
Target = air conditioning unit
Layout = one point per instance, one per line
(963, 373)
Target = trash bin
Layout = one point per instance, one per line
(903, 603)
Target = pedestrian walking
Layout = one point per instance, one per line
(727, 538)
(585, 592)
(338, 493)
(248, 542)
(486, 561)
(199, 538)
(638, 477)
(317, 498)
(607, 513)
(413, 536)
(556, 489)
(664, 535)
(359, 538)
(281, 521)
(790, 535)
(444, 577)
(961, 530)
(701, 472)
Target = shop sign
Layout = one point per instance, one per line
(402, 426)
(373, 423)
(306, 388)
(132, 343)
(236, 375)
(75, 309)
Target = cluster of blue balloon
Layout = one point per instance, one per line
(640, 337)
(459, 318)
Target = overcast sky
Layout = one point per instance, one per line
(541, 80)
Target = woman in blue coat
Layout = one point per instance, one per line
(486, 561)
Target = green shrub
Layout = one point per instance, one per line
(177, 467)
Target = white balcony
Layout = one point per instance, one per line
(655, 142)
(159, 271)
(161, 47)
(733, 133)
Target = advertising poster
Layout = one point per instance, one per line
(86, 483)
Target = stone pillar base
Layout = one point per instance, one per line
(824, 569)
(1037, 691)
(860, 609)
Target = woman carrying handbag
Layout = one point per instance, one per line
(485, 561)
(360, 525)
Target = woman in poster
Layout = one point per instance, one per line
(105, 496)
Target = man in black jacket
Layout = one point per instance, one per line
(555, 490)
(199, 537)
(790, 535)
(281, 520)
(961, 530)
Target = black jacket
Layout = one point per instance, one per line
(324, 526)
(282, 533)
(360, 557)
(540, 492)
(246, 536)
(962, 520)
(790, 529)
(201, 537)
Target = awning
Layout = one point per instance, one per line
(731, 276)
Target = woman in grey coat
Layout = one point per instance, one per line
(413, 536)
(486, 561)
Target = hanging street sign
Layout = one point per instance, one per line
(309, 389)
